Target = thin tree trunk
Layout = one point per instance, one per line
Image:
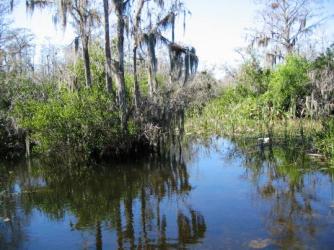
(135, 78)
(27, 142)
(135, 47)
(107, 46)
(120, 69)
(173, 41)
(152, 80)
(86, 61)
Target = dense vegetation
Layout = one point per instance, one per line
(112, 93)
(293, 99)
(105, 101)
(284, 87)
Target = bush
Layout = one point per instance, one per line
(289, 84)
(259, 102)
(254, 78)
(86, 119)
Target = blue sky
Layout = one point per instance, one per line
(215, 28)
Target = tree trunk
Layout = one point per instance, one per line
(27, 142)
(135, 78)
(86, 61)
(120, 81)
(135, 47)
(107, 46)
(173, 41)
(152, 78)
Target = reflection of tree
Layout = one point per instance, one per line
(190, 229)
(106, 197)
(12, 220)
(98, 235)
(287, 180)
(11, 232)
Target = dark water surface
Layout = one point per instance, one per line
(223, 196)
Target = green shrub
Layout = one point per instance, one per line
(289, 84)
(253, 77)
(86, 119)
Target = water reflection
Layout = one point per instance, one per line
(290, 183)
(131, 201)
(220, 194)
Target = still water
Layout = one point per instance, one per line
(218, 195)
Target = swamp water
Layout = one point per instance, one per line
(222, 195)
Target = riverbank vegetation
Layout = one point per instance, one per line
(292, 100)
(282, 90)
(129, 89)
(106, 96)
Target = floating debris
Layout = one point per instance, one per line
(260, 243)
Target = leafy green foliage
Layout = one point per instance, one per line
(289, 83)
(86, 119)
(254, 77)
(325, 139)
(259, 103)
(325, 60)
(77, 68)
